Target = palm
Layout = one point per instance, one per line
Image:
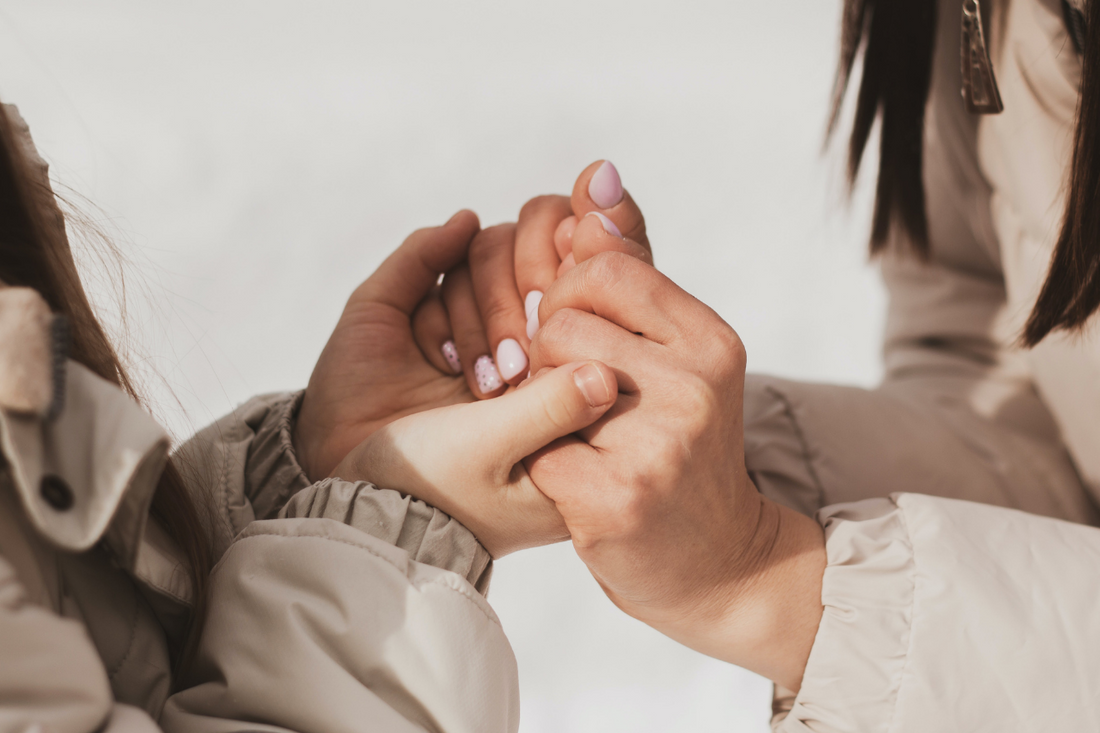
(371, 371)
(376, 375)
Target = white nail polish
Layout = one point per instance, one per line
(532, 302)
(450, 353)
(608, 225)
(511, 361)
(488, 378)
(531, 305)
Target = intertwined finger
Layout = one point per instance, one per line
(469, 334)
(492, 270)
(627, 292)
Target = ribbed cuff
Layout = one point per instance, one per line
(427, 534)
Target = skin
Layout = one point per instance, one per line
(651, 486)
(371, 372)
(663, 512)
(482, 301)
(468, 459)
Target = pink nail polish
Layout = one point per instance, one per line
(450, 353)
(608, 225)
(511, 361)
(488, 378)
(532, 305)
(605, 188)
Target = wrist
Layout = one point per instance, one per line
(765, 616)
(775, 609)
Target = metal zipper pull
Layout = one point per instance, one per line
(979, 86)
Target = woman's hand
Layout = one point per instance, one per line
(659, 504)
(468, 459)
(371, 371)
(484, 317)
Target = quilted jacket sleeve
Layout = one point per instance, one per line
(950, 615)
(316, 626)
(335, 606)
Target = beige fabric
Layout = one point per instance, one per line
(958, 413)
(426, 534)
(1026, 156)
(331, 621)
(320, 622)
(325, 622)
(942, 614)
(355, 636)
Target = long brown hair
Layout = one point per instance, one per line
(35, 253)
(897, 39)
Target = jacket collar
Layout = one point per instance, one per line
(85, 470)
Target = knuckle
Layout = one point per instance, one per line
(559, 327)
(633, 511)
(497, 310)
(488, 242)
(606, 269)
(728, 352)
(558, 412)
(539, 204)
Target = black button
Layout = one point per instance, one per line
(56, 492)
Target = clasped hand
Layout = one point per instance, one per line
(627, 437)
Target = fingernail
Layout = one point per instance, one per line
(450, 353)
(590, 382)
(608, 225)
(532, 301)
(532, 306)
(511, 361)
(488, 378)
(605, 188)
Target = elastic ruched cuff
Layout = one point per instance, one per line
(427, 534)
(856, 666)
(272, 463)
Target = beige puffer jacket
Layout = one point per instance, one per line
(334, 606)
(947, 615)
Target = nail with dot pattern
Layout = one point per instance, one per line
(488, 378)
(450, 353)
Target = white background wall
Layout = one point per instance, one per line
(256, 160)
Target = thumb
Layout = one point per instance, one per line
(407, 275)
(550, 406)
(598, 188)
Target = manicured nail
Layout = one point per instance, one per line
(450, 353)
(488, 378)
(532, 305)
(605, 187)
(590, 382)
(531, 302)
(511, 361)
(608, 225)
